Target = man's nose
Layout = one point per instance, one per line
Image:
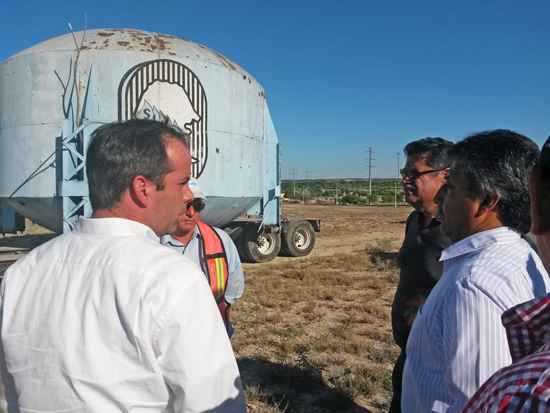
(190, 211)
(188, 195)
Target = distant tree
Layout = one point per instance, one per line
(352, 199)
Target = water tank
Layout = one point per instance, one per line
(54, 94)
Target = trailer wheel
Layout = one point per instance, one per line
(299, 238)
(239, 243)
(261, 246)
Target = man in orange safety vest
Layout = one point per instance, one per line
(212, 250)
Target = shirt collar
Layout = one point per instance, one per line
(167, 239)
(502, 235)
(101, 227)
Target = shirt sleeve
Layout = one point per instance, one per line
(502, 401)
(195, 355)
(475, 344)
(8, 395)
(235, 278)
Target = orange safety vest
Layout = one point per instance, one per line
(216, 267)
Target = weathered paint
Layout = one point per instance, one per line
(121, 73)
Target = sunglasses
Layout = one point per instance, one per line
(415, 173)
(197, 205)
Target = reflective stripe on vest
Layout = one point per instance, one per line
(216, 267)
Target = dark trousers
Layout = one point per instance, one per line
(397, 382)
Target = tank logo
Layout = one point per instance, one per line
(167, 91)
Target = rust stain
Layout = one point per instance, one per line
(136, 32)
(161, 43)
(225, 60)
(146, 42)
(168, 36)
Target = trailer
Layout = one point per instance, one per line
(55, 94)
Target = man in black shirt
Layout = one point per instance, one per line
(418, 258)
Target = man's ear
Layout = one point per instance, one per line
(141, 190)
(444, 174)
(489, 204)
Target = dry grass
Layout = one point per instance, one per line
(313, 334)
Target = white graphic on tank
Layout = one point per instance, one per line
(168, 91)
(182, 115)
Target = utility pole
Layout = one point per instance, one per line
(370, 167)
(336, 194)
(307, 182)
(294, 179)
(397, 176)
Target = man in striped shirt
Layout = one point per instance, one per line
(525, 385)
(457, 340)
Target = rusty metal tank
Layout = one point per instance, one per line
(54, 94)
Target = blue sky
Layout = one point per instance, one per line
(342, 76)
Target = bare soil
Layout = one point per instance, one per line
(313, 334)
(351, 228)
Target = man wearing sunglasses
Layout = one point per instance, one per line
(418, 258)
(212, 250)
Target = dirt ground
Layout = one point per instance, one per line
(313, 334)
(351, 228)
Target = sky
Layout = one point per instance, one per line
(344, 76)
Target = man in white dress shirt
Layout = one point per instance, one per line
(104, 318)
(457, 340)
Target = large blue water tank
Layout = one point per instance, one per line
(99, 76)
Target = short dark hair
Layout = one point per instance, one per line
(545, 159)
(120, 151)
(499, 162)
(434, 149)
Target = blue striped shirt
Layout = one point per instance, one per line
(457, 340)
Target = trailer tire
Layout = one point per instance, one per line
(260, 246)
(239, 243)
(298, 239)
